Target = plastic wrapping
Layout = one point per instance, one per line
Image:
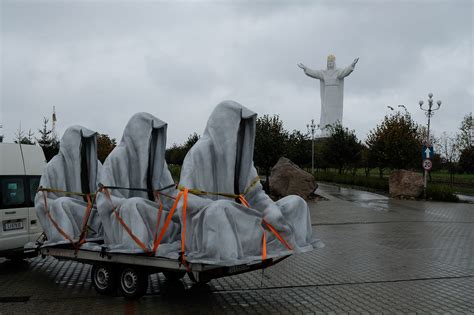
(138, 162)
(74, 170)
(225, 232)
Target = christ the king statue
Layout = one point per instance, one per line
(332, 91)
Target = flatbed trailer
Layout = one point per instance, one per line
(129, 273)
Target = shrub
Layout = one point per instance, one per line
(441, 193)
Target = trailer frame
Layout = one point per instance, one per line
(128, 273)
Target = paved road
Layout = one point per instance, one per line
(381, 255)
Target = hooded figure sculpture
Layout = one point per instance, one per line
(73, 169)
(138, 162)
(225, 231)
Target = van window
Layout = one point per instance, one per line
(34, 183)
(13, 192)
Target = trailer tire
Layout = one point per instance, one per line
(174, 275)
(104, 278)
(133, 283)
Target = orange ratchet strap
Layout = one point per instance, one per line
(125, 226)
(264, 245)
(244, 201)
(85, 220)
(271, 228)
(55, 224)
(167, 223)
(183, 232)
(158, 219)
(280, 238)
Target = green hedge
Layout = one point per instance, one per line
(441, 193)
(438, 192)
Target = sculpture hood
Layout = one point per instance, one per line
(78, 170)
(222, 159)
(143, 133)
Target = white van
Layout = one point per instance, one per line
(21, 167)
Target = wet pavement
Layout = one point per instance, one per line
(381, 256)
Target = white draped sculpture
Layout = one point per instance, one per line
(332, 91)
(73, 169)
(138, 166)
(226, 231)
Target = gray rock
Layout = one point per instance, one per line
(288, 179)
(403, 183)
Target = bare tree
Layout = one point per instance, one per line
(449, 149)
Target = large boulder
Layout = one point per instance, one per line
(403, 183)
(288, 179)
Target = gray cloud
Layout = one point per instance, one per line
(99, 62)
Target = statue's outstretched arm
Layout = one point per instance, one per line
(317, 74)
(347, 70)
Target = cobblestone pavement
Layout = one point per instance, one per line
(381, 256)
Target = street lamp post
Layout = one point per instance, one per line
(312, 128)
(429, 112)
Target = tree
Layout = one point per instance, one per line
(395, 143)
(465, 143)
(448, 148)
(298, 148)
(105, 145)
(342, 150)
(465, 137)
(20, 137)
(48, 141)
(365, 160)
(177, 153)
(466, 161)
(270, 140)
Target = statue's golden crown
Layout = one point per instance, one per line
(331, 58)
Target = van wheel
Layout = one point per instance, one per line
(104, 278)
(174, 275)
(133, 283)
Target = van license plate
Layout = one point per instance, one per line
(15, 225)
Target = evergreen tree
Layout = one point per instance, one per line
(20, 137)
(48, 141)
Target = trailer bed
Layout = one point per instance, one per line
(111, 270)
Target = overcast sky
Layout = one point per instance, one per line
(99, 62)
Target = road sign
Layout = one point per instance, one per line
(427, 152)
(427, 165)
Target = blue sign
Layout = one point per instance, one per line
(427, 152)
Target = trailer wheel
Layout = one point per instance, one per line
(199, 277)
(104, 278)
(174, 275)
(133, 283)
